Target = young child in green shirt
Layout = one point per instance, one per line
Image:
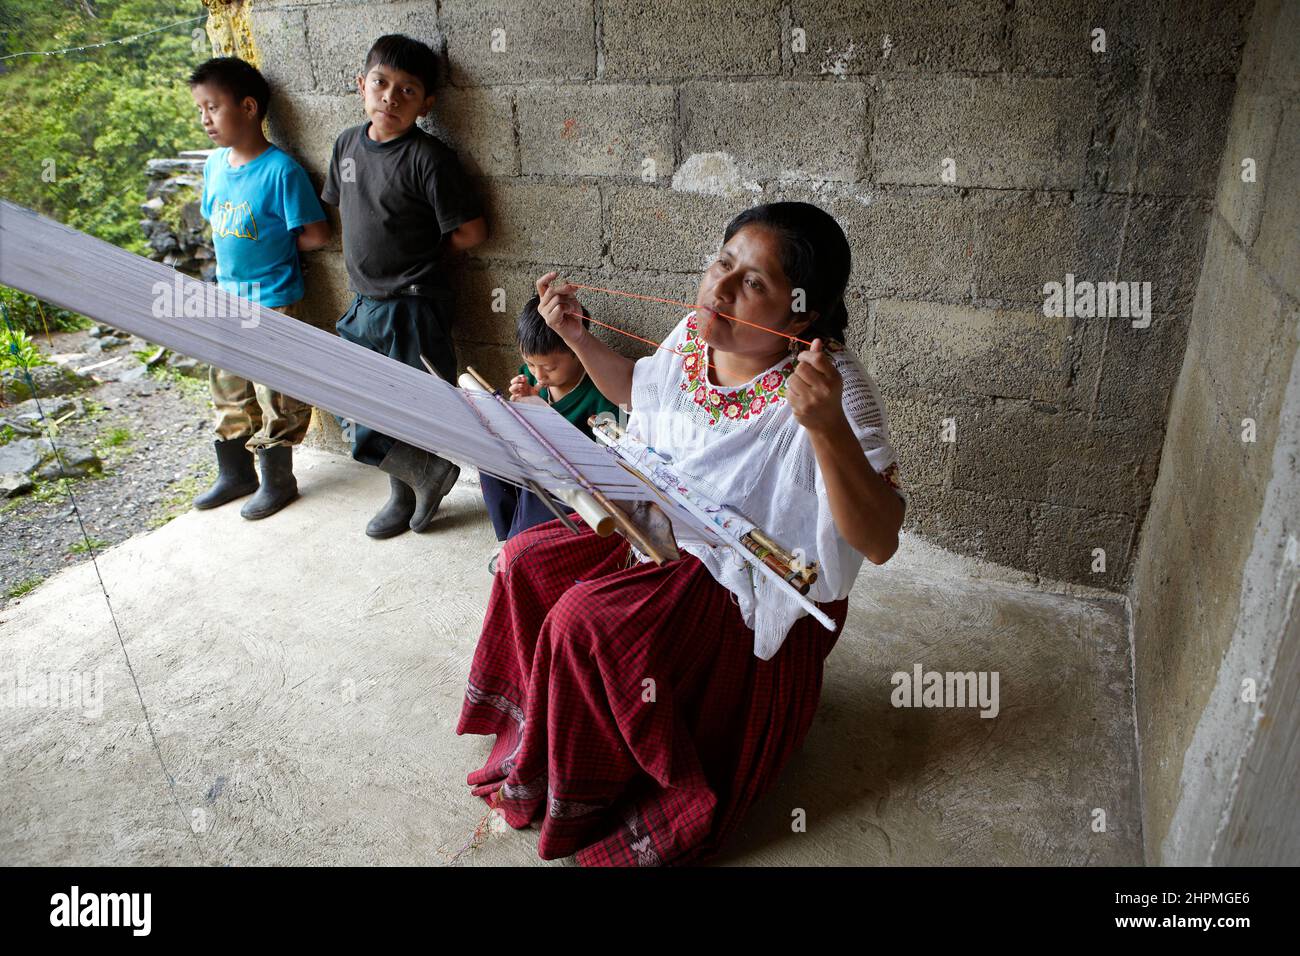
(552, 372)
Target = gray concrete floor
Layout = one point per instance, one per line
(303, 684)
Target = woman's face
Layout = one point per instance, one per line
(746, 280)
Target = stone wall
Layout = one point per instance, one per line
(613, 139)
(1216, 623)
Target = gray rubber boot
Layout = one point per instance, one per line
(236, 476)
(394, 517)
(428, 476)
(279, 487)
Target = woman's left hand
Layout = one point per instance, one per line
(815, 390)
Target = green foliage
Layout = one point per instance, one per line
(17, 350)
(85, 545)
(77, 129)
(27, 313)
(25, 587)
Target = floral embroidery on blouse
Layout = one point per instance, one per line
(745, 402)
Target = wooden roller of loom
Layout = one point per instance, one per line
(590, 510)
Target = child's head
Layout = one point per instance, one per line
(547, 356)
(232, 97)
(397, 83)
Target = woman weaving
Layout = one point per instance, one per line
(640, 709)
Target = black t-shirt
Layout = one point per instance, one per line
(397, 201)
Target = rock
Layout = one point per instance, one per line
(96, 331)
(154, 205)
(134, 374)
(24, 456)
(20, 428)
(191, 368)
(50, 380)
(192, 217)
(111, 342)
(11, 486)
(27, 414)
(77, 463)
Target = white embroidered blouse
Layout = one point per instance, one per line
(742, 446)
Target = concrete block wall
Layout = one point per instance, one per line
(613, 140)
(1216, 623)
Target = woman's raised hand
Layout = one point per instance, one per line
(560, 307)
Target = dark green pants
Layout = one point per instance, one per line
(403, 328)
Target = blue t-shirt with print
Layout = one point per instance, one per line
(255, 211)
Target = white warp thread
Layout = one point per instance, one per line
(58, 264)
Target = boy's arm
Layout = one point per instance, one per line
(314, 235)
(467, 235)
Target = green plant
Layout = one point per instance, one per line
(117, 436)
(85, 545)
(17, 350)
(35, 317)
(25, 587)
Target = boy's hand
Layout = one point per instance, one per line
(560, 308)
(519, 388)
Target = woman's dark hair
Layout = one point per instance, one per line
(534, 336)
(237, 77)
(398, 52)
(814, 255)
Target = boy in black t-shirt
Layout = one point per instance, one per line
(405, 204)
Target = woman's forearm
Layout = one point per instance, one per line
(611, 372)
(867, 511)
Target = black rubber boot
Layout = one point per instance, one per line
(279, 487)
(394, 517)
(429, 476)
(235, 474)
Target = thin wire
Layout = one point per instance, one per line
(94, 46)
(90, 549)
(685, 305)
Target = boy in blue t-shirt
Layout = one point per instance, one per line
(263, 212)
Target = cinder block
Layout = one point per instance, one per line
(597, 130)
(1064, 541)
(852, 37)
(914, 243)
(1054, 37)
(682, 38)
(665, 230)
(1186, 126)
(551, 225)
(956, 350)
(1023, 241)
(482, 289)
(987, 527)
(916, 427)
(805, 130)
(503, 41)
(1280, 222)
(1252, 135)
(280, 37)
(1202, 36)
(1022, 451)
(1007, 132)
(307, 124)
(327, 293)
(339, 37)
(479, 123)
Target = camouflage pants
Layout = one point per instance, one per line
(247, 410)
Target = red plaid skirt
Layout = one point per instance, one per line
(632, 718)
